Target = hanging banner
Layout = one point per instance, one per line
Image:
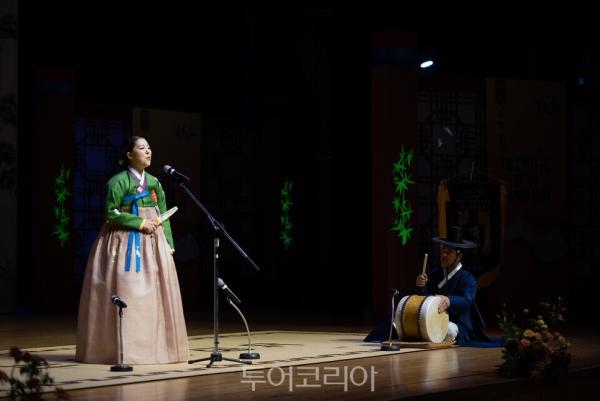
(480, 209)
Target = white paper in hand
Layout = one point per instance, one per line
(167, 214)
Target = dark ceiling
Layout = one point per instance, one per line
(192, 57)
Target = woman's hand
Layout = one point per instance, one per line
(172, 251)
(149, 226)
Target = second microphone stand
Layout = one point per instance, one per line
(389, 345)
(216, 355)
(121, 367)
(250, 354)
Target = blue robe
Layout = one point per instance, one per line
(461, 289)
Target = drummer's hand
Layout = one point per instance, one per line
(149, 226)
(444, 303)
(421, 280)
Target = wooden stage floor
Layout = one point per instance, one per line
(447, 374)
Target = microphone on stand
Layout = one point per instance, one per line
(171, 171)
(120, 367)
(389, 346)
(233, 300)
(230, 293)
(118, 301)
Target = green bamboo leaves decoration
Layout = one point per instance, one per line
(400, 202)
(61, 192)
(286, 223)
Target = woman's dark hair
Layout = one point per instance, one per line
(128, 147)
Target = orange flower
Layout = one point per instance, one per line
(154, 197)
(529, 333)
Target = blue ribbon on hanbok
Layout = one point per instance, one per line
(134, 235)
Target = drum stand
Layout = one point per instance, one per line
(389, 346)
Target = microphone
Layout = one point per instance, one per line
(118, 301)
(230, 293)
(171, 171)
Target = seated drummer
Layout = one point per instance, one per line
(454, 284)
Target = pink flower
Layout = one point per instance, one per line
(525, 343)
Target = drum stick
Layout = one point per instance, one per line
(424, 264)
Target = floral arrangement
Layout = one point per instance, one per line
(533, 348)
(34, 370)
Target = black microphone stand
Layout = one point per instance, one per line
(120, 367)
(250, 354)
(389, 346)
(216, 355)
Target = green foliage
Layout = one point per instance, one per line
(400, 203)
(60, 212)
(32, 378)
(286, 223)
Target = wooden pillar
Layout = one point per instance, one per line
(394, 127)
(52, 288)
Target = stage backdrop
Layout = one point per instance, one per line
(452, 142)
(584, 189)
(527, 149)
(8, 154)
(175, 140)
